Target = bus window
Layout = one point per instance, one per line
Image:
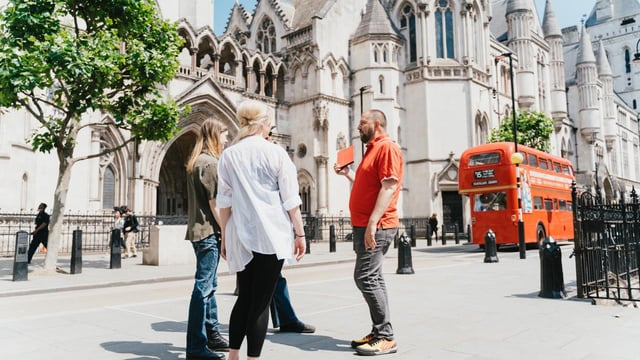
(490, 201)
(565, 170)
(537, 202)
(484, 159)
(548, 204)
(533, 161)
(525, 157)
(544, 164)
(557, 168)
(563, 204)
(569, 206)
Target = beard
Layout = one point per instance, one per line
(366, 135)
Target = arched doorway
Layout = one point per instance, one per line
(172, 187)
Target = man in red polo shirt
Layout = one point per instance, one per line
(374, 217)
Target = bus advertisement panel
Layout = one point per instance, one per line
(488, 176)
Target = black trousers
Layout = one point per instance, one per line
(35, 242)
(250, 314)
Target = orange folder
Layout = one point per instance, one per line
(345, 156)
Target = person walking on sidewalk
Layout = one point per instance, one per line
(374, 217)
(130, 226)
(259, 203)
(203, 230)
(41, 232)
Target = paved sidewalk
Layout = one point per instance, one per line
(96, 272)
(454, 307)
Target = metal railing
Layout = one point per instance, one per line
(607, 246)
(96, 230)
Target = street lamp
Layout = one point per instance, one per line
(362, 89)
(516, 158)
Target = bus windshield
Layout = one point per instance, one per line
(490, 201)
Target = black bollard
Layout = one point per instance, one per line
(76, 252)
(412, 235)
(429, 235)
(332, 238)
(551, 277)
(21, 257)
(490, 251)
(308, 241)
(405, 265)
(444, 235)
(116, 260)
(455, 228)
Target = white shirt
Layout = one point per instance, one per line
(258, 180)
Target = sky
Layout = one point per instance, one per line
(569, 12)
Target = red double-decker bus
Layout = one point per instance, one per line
(488, 177)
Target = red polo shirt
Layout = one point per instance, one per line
(381, 161)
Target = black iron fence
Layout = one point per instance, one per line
(96, 230)
(607, 246)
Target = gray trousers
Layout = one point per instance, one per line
(368, 277)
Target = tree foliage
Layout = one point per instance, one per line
(534, 130)
(63, 59)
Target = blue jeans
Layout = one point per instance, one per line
(282, 310)
(368, 277)
(203, 309)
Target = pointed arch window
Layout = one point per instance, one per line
(408, 28)
(381, 84)
(108, 188)
(627, 61)
(266, 41)
(444, 29)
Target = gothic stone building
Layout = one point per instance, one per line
(428, 64)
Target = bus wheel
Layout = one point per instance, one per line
(540, 235)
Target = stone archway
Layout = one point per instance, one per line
(172, 187)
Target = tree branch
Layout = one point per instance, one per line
(105, 151)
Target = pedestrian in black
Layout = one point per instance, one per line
(41, 233)
(433, 225)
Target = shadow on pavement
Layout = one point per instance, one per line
(310, 342)
(144, 351)
(170, 326)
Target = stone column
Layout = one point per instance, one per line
(321, 164)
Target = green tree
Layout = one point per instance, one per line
(534, 130)
(63, 60)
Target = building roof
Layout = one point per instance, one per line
(621, 9)
(375, 21)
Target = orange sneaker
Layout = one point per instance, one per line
(364, 340)
(378, 346)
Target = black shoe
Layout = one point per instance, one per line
(300, 327)
(208, 356)
(216, 342)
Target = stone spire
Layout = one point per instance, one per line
(550, 23)
(604, 69)
(585, 50)
(374, 21)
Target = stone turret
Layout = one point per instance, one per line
(608, 98)
(199, 13)
(553, 35)
(587, 82)
(520, 15)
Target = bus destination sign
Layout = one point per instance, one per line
(485, 177)
(484, 174)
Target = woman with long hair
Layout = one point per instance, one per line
(261, 222)
(203, 230)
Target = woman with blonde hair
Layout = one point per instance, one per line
(261, 222)
(203, 230)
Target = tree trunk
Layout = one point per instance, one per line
(56, 225)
